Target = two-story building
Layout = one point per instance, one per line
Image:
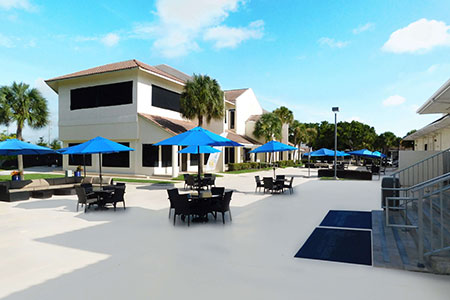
(138, 105)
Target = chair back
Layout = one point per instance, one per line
(290, 183)
(279, 177)
(268, 182)
(258, 179)
(81, 193)
(173, 195)
(118, 194)
(218, 191)
(87, 187)
(182, 205)
(190, 180)
(226, 201)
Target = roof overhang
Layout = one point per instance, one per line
(439, 102)
(441, 123)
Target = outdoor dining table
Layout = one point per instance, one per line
(201, 205)
(102, 193)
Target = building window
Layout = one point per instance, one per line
(166, 99)
(78, 160)
(102, 95)
(117, 160)
(166, 156)
(232, 118)
(150, 155)
(425, 147)
(247, 154)
(194, 160)
(229, 155)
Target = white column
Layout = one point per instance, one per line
(174, 161)
(238, 154)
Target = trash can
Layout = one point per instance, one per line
(69, 173)
(388, 182)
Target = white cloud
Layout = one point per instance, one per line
(231, 37)
(181, 23)
(362, 28)
(332, 43)
(17, 4)
(110, 40)
(418, 37)
(6, 41)
(394, 100)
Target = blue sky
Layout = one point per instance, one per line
(377, 60)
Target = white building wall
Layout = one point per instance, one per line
(246, 105)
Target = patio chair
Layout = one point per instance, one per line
(191, 182)
(259, 184)
(88, 190)
(182, 207)
(269, 185)
(289, 186)
(210, 180)
(173, 194)
(224, 206)
(185, 177)
(117, 196)
(83, 199)
(280, 177)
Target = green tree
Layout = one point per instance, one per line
(268, 127)
(297, 134)
(408, 144)
(55, 144)
(22, 105)
(387, 140)
(202, 99)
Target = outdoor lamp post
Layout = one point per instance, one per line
(335, 110)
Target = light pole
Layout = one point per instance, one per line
(335, 110)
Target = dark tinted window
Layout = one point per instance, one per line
(119, 160)
(194, 160)
(149, 155)
(166, 153)
(165, 99)
(77, 160)
(102, 95)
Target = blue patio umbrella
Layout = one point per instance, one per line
(362, 152)
(199, 149)
(271, 147)
(198, 137)
(378, 154)
(17, 147)
(98, 145)
(326, 152)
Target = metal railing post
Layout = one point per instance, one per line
(420, 229)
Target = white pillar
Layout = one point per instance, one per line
(174, 161)
(238, 154)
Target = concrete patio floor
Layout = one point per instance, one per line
(50, 251)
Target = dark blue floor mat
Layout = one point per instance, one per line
(341, 245)
(348, 219)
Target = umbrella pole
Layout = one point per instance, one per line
(309, 162)
(100, 164)
(199, 170)
(84, 164)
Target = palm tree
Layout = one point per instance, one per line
(297, 134)
(268, 127)
(286, 117)
(22, 105)
(202, 98)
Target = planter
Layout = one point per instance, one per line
(77, 173)
(15, 178)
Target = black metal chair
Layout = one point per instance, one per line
(83, 199)
(224, 206)
(280, 177)
(182, 206)
(271, 186)
(117, 196)
(210, 180)
(191, 182)
(259, 184)
(173, 194)
(88, 190)
(289, 186)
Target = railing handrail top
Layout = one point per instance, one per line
(429, 182)
(419, 162)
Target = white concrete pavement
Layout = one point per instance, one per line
(50, 251)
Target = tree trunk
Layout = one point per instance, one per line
(200, 155)
(19, 157)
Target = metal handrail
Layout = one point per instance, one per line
(419, 162)
(430, 182)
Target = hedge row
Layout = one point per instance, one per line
(256, 165)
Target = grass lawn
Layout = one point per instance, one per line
(32, 176)
(247, 171)
(181, 178)
(331, 178)
(142, 180)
